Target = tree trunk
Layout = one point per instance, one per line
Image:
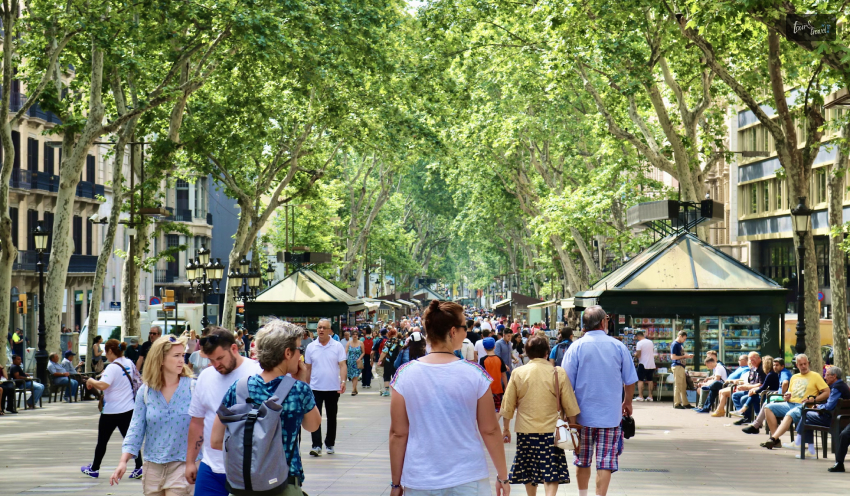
(108, 243)
(130, 314)
(76, 148)
(585, 254)
(240, 248)
(837, 278)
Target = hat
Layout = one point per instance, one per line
(383, 332)
(69, 353)
(416, 336)
(489, 343)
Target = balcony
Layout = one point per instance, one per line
(16, 101)
(182, 215)
(27, 260)
(209, 219)
(99, 190)
(45, 182)
(21, 179)
(85, 189)
(82, 263)
(51, 117)
(164, 276)
(37, 112)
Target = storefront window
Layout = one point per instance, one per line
(709, 332)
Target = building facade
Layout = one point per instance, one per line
(761, 205)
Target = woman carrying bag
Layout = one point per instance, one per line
(541, 397)
(97, 355)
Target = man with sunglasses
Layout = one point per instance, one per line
(326, 365)
(153, 335)
(226, 367)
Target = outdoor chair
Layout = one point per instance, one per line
(21, 391)
(53, 389)
(841, 412)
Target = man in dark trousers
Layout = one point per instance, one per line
(367, 359)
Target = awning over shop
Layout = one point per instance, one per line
(371, 306)
(304, 294)
(406, 303)
(568, 303)
(543, 304)
(385, 304)
(503, 303)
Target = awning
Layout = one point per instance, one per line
(371, 306)
(543, 304)
(568, 303)
(304, 293)
(407, 303)
(503, 303)
(388, 305)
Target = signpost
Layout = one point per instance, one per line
(168, 305)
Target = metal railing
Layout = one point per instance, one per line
(164, 276)
(36, 111)
(82, 263)
(85, 189)
(44, 181)
(21, 179)
(99, 190)
(183, 215)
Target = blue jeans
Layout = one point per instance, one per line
(71, 390)
(37, 391)
(210, 483)
(813, 418)
(753, 405)
(738, 398)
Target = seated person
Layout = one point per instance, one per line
(841, 450)
(755, 377)
(838, 390)
(69, 366)
(803, 387)
(61, 377)
(752, 401)
(17, 373)
(712, 383)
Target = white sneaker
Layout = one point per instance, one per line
(329, 450)
(791, 446)
(649, 398)
(638, 399)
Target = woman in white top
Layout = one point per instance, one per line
(118, 383)
(440, 405)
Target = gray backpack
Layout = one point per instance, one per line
(253, 451)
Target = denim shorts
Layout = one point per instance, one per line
(792, 410)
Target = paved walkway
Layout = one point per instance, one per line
(674, 452)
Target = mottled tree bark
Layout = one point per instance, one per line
(837, 269)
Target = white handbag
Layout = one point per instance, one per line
(566, 436)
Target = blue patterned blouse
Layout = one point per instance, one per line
(298, 402)
(162, 425)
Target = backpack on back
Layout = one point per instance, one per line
(254, 459)
(560, 351)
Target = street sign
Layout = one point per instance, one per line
(169, 306)
(154, 301)
(820, 296)
(116, 305)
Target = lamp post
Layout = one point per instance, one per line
(246, 281)
(204, 276)
(41, 235)
(801, 216)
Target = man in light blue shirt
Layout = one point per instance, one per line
(599, 368)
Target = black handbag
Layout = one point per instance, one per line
(628, 426)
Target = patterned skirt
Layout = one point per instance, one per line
(537, 460)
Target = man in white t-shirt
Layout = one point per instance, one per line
(486, 325)
(479, 346)
(326, 365)
(227, 367)
(645, 353)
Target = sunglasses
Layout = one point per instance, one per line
(172, 339)
(212, 340)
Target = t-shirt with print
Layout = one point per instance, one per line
(297, 403)
(442, 406)
(119, 396)
(209, 392)
(804, 385)
(679, 350)
(494, 366)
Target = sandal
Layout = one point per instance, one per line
(354, 393)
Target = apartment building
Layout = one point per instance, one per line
(32, 198)
(761, 204)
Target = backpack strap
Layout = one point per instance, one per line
(242, 390)
(283, 389)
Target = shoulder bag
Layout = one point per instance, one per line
(132, 388)
(566, 436)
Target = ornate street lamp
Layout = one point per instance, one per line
(204, 276)
(801, 217)
(41, 236)
(245, 282)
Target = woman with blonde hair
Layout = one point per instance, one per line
(161, 420)
(191, 345)
(752, 403)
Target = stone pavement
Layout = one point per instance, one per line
(674, 452)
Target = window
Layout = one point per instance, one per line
(780, 185)
(48, 223)
(172, 240)
(78, 235)
(90, 168)
(48, 159)
(32, 221)
(822, 258)
(16, 142)
(89, 234)
(820, 185)
(765, 196)
(32, 154)
(13, 214)
(754, 199)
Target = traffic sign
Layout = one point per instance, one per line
(820, 296)
(155, 300)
